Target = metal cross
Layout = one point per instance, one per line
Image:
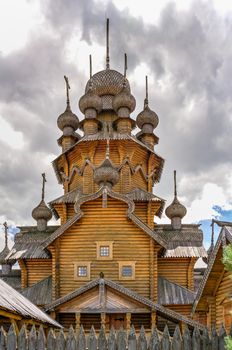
(43, 185)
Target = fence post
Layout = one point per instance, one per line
(51, 343)
(11, 338)
(112, 340)
(132, 342)
(221, 340)
(165, 342)
(41, 344)
(81, 341)
(71, 340)
(22, 338)
(60, 340)
(32, 341)
(214, 338)
(154, 341)
(142, 340)
(206, 343)
(177, 339)
(196, 339)
(102, 342)
(121, 340)
(92, 340)
(187, 341)
(2, 339)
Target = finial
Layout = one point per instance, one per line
(6, 234)
(107, 45)
(125, 64)
(90, 66)
(146, 97)
(43, 185)
(175, 190)
(212, 233)
(67, 90)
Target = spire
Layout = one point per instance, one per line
(107, 45)
(125, 65)
(212, 234)
(146, 96)
(90, 67)
(67, 90)
(175, 188)
(6, 233)
(43, 185)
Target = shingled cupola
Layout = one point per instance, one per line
(68, 122)
(123, 104)
(6, 264)
(147, 121)
(175, 211)
(90, 105)
(42, 214)
(106, 174)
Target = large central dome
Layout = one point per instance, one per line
(106, 84)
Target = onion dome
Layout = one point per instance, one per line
(42, 214)
(175, 211)
(67, 120)
(124, 100)
(147, 116)
(90, 101)
(106, 173)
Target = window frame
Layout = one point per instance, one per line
(121, 264)
(100, 244)
(78, 264)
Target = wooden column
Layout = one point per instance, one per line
(77, 321)
(103, 319)
(24, 278)
(57, 268)
(182, 327)
(152, 269)
(128, 321)
(153, 319)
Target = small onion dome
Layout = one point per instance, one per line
(175, 209)
(42, 212)
(90, 101)
(3, 256)
(124, 100)
(106, 174)
(147, 116)
(67, 120)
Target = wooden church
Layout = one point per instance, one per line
(108, 263)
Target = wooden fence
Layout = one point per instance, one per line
(120, 340)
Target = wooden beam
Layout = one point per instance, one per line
(77, 321)
(24, 278)
(10, 315)
(153, 319)
(57, 268)
(103, 319)
(128, 321)
(152, 269)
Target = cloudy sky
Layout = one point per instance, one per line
(183, 46)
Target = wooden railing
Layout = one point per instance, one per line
(40, 339)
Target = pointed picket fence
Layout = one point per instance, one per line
(37, 339)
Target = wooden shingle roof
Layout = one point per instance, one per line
(170, 293)
(40, 293)
(14, 302)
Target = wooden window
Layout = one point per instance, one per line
(104, 250)
(82, 271)
(126, 270)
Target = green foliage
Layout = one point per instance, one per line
(227, 257)
(228, 343)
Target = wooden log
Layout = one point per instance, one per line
(41, 343)
(32, 340)
(71, 339)
(22, 338)
(132, 341)
(12, 338)
(154, 343)
(92, 340)
(187, 341)
(51, 340)
(142, 340)
(60, 340)
(112, 340)
(81, 339)
(165, 342)
(177, 339)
